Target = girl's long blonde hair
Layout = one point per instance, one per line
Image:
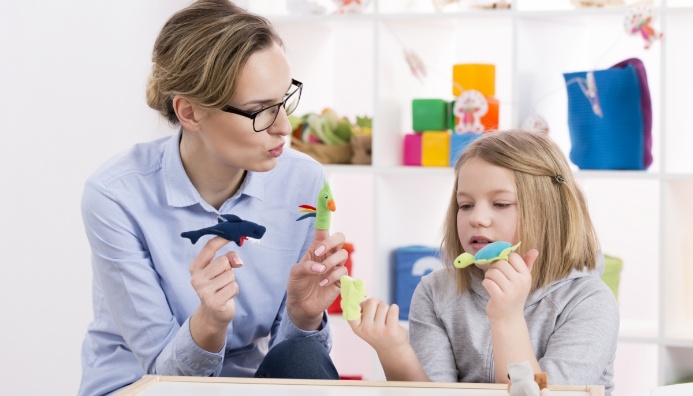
(552, 211)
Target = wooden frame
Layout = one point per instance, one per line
(156, 385)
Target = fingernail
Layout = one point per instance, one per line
(318, 268)
(323, 282)
(320, 250)
(238, 261)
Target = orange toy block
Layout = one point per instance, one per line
(478, 76)
(435, 148)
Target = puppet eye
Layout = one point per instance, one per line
(326, 196)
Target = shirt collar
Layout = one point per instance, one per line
(180, 191)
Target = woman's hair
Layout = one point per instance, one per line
(201, 51)
(552, 211)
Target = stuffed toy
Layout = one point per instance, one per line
(361, 149)
(322, 210)
(353, 292)
(525, 382)
(229, 227)
(494, 251)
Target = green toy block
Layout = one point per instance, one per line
(429, 115)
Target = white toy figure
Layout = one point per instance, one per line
(522, 380)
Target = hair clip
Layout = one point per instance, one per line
(559, 178)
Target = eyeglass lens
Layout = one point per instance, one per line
(266, 118)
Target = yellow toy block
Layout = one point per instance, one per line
(479, 76)
(435, 148)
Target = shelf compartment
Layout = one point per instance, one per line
(334, 59)
(634, 239)
(677, 365)
(577, 43)
(677, 267)
(440, 43)
(634, 379)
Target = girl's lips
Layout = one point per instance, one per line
(277, 151)
(479, 242)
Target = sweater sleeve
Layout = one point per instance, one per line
(585, 338)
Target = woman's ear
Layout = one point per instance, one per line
(188, 113)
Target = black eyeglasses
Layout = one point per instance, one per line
(265, 117)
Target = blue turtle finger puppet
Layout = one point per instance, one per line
(498, 250)
(229, 227)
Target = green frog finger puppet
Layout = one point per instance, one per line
(498, 250)
(353, 292)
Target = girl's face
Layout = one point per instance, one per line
(229, 139)
(487, 202)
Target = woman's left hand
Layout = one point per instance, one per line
(508, 283)
(314, 281)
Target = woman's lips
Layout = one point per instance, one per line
(277, 151)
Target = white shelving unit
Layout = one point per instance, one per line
(355, 65)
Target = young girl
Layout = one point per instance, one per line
(546, 305)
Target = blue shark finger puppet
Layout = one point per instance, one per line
(229, 227)
(494, 251)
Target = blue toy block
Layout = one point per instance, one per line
(458, 141)
(411, 263)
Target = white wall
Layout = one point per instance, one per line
(72, 81)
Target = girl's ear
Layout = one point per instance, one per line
(188, 113)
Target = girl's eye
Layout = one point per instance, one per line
(465, 206)
(502, 205)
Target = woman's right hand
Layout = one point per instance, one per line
(215, 284)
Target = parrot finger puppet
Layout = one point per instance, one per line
(494, 251)
(322, 210)
(229, 227)
(353, 292)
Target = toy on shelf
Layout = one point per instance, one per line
(637, 21)
(536, 123)
(598, 3)
(469, 107)
(351, 6)
(494, 251)
(304, 7)
(229, 227)
(327, 137)
(524, 382)
(353, 292)
(322, 210)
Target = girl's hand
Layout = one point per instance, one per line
(508, 283)
(314, 281)
(379, 326)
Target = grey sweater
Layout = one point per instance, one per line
(573, 326)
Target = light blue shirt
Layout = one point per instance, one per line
(134, 209)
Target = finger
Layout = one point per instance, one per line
(333, 276)
(530, 258)
(234, 259)
(209, 250)
(381, 313)
(336, 259)
(492, 288)
(218, 266)
(499, 278)
(327, 243)
(392, 316)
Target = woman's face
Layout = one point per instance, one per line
(230, 139)
(487, 202)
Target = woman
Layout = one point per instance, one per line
(163, 305)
